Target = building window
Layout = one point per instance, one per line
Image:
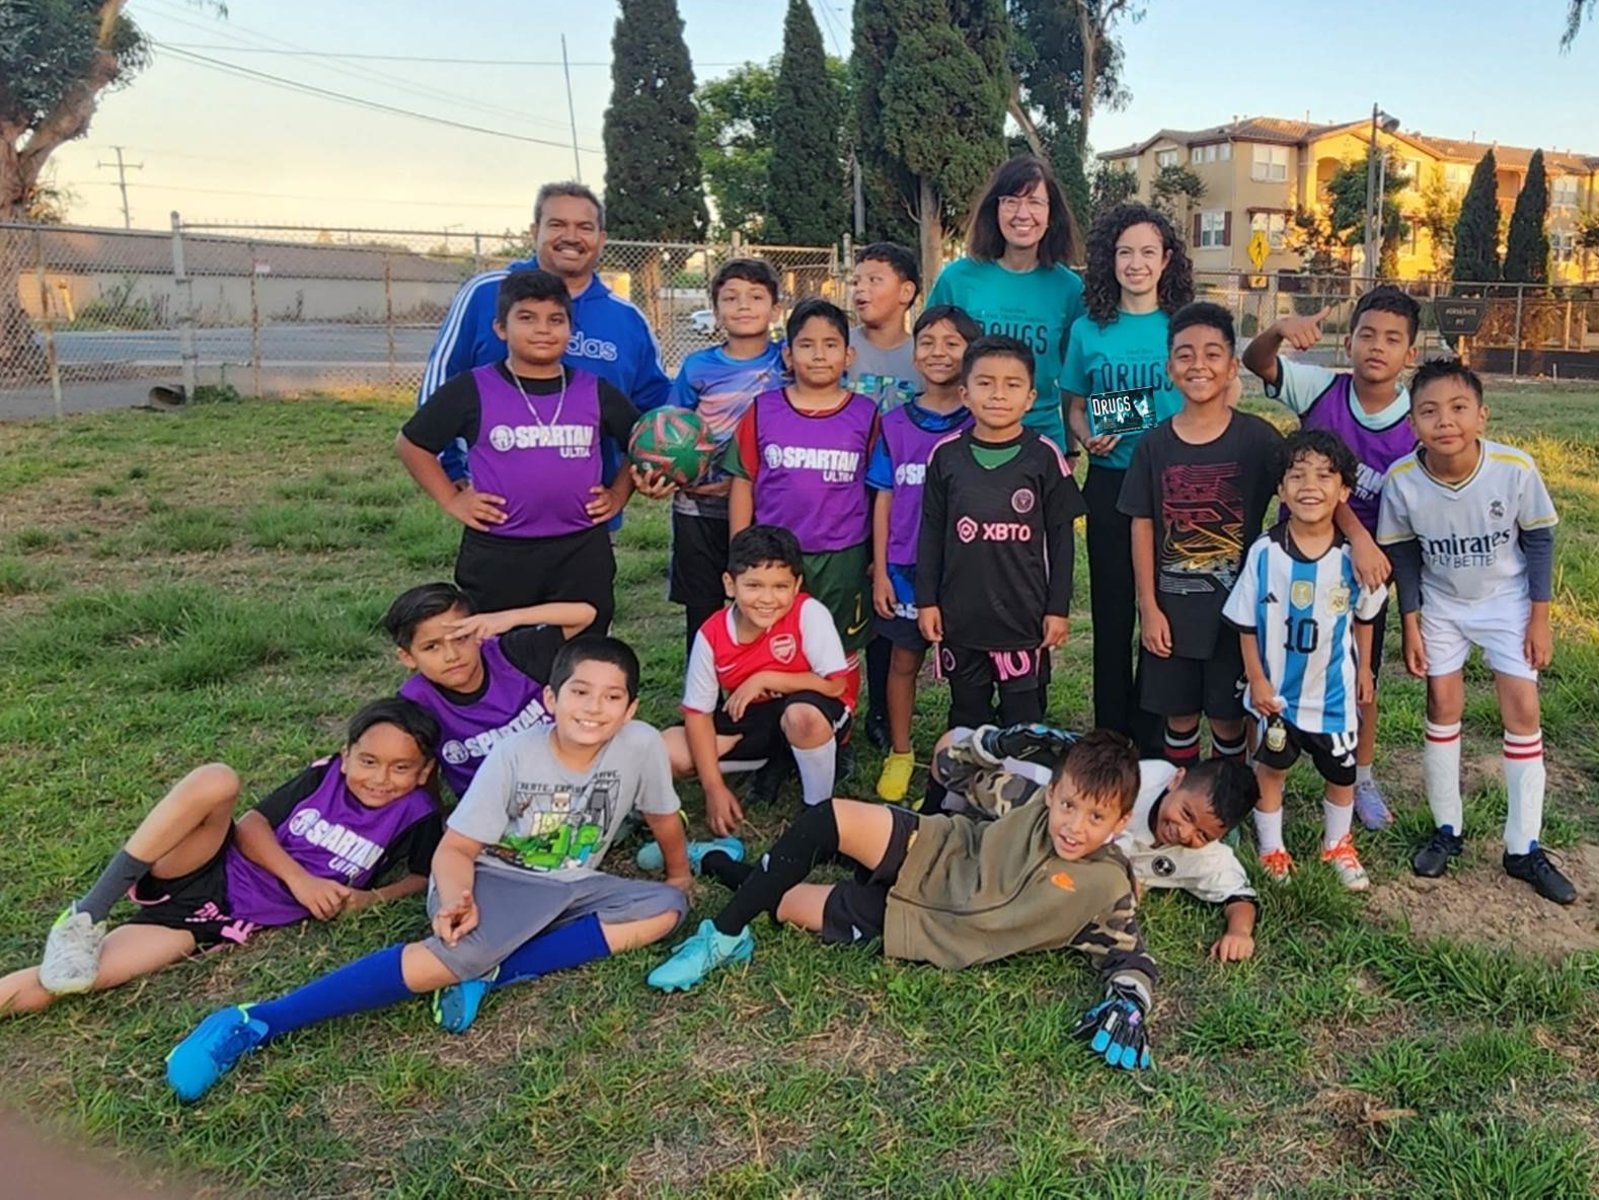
(1224, 152)
(1564, 192)
(1563, 247)
(1411, 169)
(1273, 224)
(1212, 228)
(1457, 175)
(1271, 164)
(1168, 158)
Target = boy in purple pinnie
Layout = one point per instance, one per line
(895, 474)
(536, 508)
(1369, 409)
(481, 675)
(315, 847)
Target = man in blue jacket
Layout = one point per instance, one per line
(610, 337)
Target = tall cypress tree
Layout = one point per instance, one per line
(1477, 230)
(653, 186)
(1527, 245)
(807, 205)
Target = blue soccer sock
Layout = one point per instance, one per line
(369, 983)
(558, 949)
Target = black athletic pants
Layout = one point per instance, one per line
(1112, 601)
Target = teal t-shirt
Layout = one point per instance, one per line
(1128, 353)
(1038, 307)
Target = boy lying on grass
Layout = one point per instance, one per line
(955, 892)
(312, 848)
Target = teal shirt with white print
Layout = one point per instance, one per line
(1127, 355)
(1037, 307)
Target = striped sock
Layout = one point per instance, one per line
(1228, 751)
(1440, 772)
(1182, 748)
(1524, 786)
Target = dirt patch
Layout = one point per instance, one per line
(41, 1164)
(1480, 903)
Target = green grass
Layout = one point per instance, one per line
(178, 588)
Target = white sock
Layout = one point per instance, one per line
(1362, 774)
(1335, 823)
(1524, 784)
(1440, 772)
(1269, 831)
(816, 767)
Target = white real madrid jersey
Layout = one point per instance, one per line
(1303, 613)
(1469, 531)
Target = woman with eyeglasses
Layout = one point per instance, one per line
(1014, 278)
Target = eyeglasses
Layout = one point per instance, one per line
(1012, 204)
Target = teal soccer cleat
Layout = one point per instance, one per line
(210, 1052)
(696, 958)
(456, 1007)
(649, 857)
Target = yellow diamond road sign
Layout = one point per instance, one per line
(1258, 248)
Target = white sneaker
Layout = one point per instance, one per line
(1346, 864)
(71, 953)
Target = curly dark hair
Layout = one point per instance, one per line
(1102, 294)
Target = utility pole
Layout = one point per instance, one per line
(122, 182)
(571, 112)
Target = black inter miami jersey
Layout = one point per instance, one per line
(996, 546)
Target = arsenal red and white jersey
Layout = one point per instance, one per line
(803, 639)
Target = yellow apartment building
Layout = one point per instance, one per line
(1257, 171)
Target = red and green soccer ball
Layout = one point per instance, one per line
(674, 442)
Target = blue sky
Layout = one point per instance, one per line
(221, 148)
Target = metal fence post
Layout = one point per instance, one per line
(183, 286)
(477, 253)
(388, 308)
(1515, 352)
(50, 359)
(255, 322)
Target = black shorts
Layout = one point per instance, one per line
(196, 903)
(760, 733)
(1180, 687)
(500, 573)
(855, 911)
(1332, 754)
(699, 559)
(901, 632)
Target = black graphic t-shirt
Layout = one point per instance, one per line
(1207, 502)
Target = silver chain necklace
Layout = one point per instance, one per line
(555, 418)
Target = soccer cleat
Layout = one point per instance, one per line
(696, 958)
(877, 731)
(1370, 807)
(1278, 865)
(1346, 864)
(210, 1052)
(456, 1007)
(649, 856)
(71, 953)
(767, 779)
(1035, 743)
(895, 780)
(1535, 868)
(843, 765)
(1432, 860)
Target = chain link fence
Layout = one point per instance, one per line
(93, 318)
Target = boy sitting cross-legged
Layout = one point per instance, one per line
(1305, 627)
(312, 848)
(481, 675)
(516, 890)
(767, 673)
(1174, 839)
(955, 892)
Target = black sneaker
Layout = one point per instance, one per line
(877, 731)
(1535, 868)
(767, 780)
(1432, 860)
(1028, 743)
(843, 765)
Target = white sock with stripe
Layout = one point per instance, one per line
(1440, 772)
(1524, 786)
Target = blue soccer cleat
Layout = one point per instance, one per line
(210, 1052)
(649, 857)
(456, 1007)
(696, 958)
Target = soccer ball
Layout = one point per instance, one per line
(673, 441)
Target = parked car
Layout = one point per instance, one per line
(703, 322)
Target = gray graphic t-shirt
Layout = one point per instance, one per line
(886, 377)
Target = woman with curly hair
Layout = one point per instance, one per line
(1116, 387)
(1014, 278)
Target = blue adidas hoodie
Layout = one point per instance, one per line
(610, 338)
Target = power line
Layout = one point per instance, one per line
(359, 101)
(821, 6)
(424, 58)
(204, 191)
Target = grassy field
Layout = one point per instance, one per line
(207, 585)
